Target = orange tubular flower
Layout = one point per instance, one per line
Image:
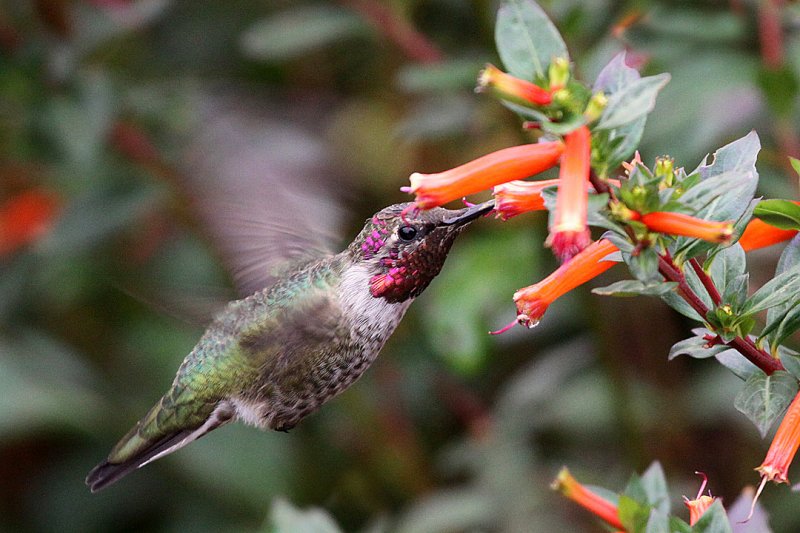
(493, 169)
(759, 234)
(517, 197)
(600, 507)
(533, 301)
(511, 88)
(784, 446)
(687, 226)
(24, 218)
(569, 233)
(782, 450)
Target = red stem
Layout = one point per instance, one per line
(413, 43)
(711, 289)
(746, 347)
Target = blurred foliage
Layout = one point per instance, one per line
(452, 429)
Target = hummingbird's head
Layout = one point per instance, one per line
(405, 248)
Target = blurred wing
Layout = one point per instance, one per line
(263, 185)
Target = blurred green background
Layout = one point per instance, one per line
(124, 114)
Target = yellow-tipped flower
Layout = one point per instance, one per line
(558, 73)
(569, 233)
(594, 109)
(511, 88)
(533, 301)
(509, 164)
(687, 226)
(598, 506)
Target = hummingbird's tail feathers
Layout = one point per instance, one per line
(107, 473)
(142, 451)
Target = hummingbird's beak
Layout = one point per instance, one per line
(469, 214)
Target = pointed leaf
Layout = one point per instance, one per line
(714, 520)
(696, 346)
(782, 214)
(790, 360)
(615, 75)
(779, 290)
(633, 513)
(634, 287)
(790, 257)
(655, 485)
(526, 39)
(737, 363)
(726, 266)
(633, 101)
(740, 155)
(764, 398)
(657, 522)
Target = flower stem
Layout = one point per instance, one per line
(746, 347)
(706, 280)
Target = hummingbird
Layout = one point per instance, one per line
(276, 356)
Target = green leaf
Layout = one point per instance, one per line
(676, 525)
(295, 32)
(737, 363)
(739, 155)
(714, 520)
(633, 101)
(782, 214)
(657, 522)
(795, 165)
(633, 513)
(696, 346)
(444, 76)
(527, 40)
(790, 257)
(783, 326)
(644, 265)
(726, 266)
(615, 76)
(779, 290)
(764, 398)
(286, 517)
(790, 360)
(655, 485)
(634, 287)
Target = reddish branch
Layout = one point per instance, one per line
(745, 346)
(398, 30)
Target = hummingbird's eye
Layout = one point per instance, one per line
(407, 233)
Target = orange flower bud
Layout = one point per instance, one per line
(687, 226)
(24, 218)
(759, 234)
(492, 169)
(511, 88)
(700, 504)
(600, 507)
(569, 233)
(533, 301)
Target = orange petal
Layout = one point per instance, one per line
(492, 169)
